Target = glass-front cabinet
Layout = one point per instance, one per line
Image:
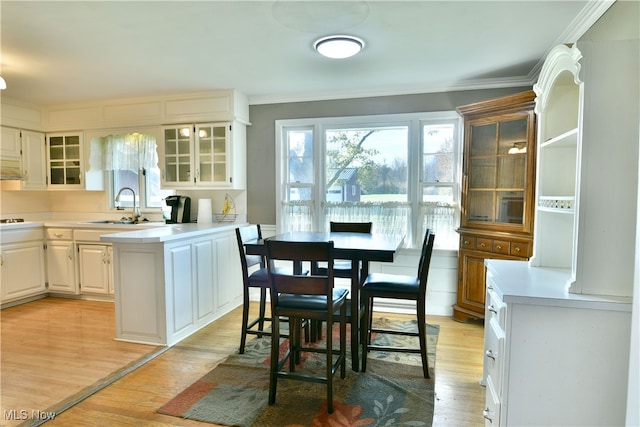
(496, 174)
(64, 157)
(497, 192)
(197, 156)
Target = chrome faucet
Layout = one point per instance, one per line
(135, 213)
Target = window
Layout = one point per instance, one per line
(399, 171)
(132, 161)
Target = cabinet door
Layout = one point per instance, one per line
(497, 172)
(10, 147)
(61, 267)
(34, 160)
(22, 267)
(94, 269)
(204, 254)
(65, 160)
(213, 155)
(471, 283)
(177, 157)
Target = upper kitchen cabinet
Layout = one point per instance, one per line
(64, 158)
(207, 155)
(497, 193)
(34, 160)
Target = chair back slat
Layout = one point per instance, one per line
(352, 227)
(247, 234)
(289, 283)
(425, 260)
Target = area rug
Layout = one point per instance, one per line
(393, 391)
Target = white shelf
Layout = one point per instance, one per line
(567, 139)
(559, 204)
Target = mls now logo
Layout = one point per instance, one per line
(23, 414)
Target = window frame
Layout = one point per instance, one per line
(415, 123)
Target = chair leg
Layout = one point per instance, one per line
(365, 329)
(275, 352)
(330, 367)
(343, 341)
(245, 321)
(263, 303)
(422, 331)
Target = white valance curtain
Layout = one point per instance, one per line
(134, 151)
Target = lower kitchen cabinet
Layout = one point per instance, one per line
(61, 264)
(166, 290)
(22, 264)
(552, 358)
(94, 269)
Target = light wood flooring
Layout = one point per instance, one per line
(55, 348)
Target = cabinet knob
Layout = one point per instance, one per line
(483, 244)
(498, 247)
(58, 235)
(466, 242)
(517, 249)
(492, 309)
(489, 354)
(486, 414)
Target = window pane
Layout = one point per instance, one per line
(155, 195)
(300, 156)
(438, 153)
(125, 178)
(367, 164)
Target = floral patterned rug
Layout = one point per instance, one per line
(391, 392)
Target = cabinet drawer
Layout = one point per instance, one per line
(496, 309)
(493, 358)
(492, 412)
(59, 234)
(484, 244)
(467, 242)
(519, 249)
(501, 247)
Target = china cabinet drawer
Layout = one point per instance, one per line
(467, 242)
(501, 247)
(484, 244)
(520, 249)
(59, 234)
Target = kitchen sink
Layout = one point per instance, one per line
(111, 221)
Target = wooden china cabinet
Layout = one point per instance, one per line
(497, 193)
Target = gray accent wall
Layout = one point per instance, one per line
(261, 186)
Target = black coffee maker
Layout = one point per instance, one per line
(180, 209)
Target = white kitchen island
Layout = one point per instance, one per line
(172, 281)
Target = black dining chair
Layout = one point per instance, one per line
(395, 286)
(254, 275)
(299, 297)
(252, 279)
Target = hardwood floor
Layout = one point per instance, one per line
(55, 347)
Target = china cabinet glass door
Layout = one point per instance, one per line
(212, 153)
(496, 172)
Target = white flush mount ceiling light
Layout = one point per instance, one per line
(338, 47)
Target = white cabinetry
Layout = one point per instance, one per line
(94, 269)
(551, 357)
(22, 264)
(61, 270)
(65, 161)
(166, 289)
(207, 155)
(34, 160)
(10, 147)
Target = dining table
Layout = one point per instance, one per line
(360, 249)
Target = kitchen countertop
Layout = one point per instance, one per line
(165, 234)
(144, 232)
(518, 282)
